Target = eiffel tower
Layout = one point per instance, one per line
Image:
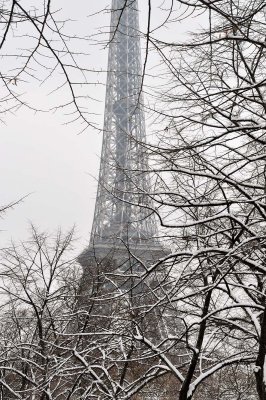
(124, 237)
(124, 226)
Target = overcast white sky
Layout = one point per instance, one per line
(49, 161)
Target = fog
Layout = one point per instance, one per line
(46, 160)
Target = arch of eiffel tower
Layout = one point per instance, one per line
(123, 221)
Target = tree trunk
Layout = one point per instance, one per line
(260, 371)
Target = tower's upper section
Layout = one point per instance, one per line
(122, 208)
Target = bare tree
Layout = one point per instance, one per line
(35, 45)
(41, 353)
(209, 198)
(57, 342)
(210, 170)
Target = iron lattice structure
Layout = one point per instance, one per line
(124, 237)
(122, 211)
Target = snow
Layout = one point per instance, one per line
(191, 390)
(212, 370)
(157, 351)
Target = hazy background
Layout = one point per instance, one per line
(46, 159)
